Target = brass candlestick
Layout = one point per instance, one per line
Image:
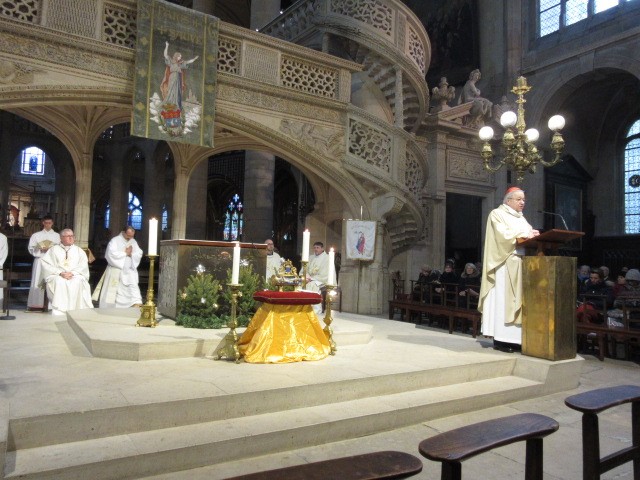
(304, 278)
(328, 331)
(148, 310)
(229, 346)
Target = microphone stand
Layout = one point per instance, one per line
(557, 215)
(6, 316)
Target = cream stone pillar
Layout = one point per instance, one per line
(82, 210)
(119, 195)
(197, 202)
(179, 214)
(6, 161)
(153, 182)
(399, 101)
(259, 167)
(205, 6)
(363, 282)
(259, 173)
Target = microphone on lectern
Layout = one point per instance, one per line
(557, 215)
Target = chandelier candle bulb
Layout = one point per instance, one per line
(556, 123)
(153, 236)
(532, 135)
(331, 277)
(486, 133)
(306, 236)
(508, 119)
(235, 270)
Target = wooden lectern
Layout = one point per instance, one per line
(549, 297)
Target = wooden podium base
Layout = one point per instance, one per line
(549, 307)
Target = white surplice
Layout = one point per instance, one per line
(119, 284)
(72, 294)
(36, 293)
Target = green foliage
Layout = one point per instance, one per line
(251, 282)
(204, 303)
(198, 302)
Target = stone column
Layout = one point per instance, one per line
(197, 201)
(204, 6)
(153, 182)
(259, 167)
(399, 105)
(259, 173)
(82, 213)
(119, 194)
(179, 214)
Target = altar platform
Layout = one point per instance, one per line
(74, 404)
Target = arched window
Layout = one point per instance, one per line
(165, 218)
(632, 180)
(134, 214)
(32, 161)
(555, 15)
(233, 219)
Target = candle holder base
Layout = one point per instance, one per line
(328, 319)
(304, 277)
(228, 348)
(147, 316)
(148, 310)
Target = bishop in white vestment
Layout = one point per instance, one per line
(119, 284)
(501, 287)
(65, 270)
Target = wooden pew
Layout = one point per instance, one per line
(370, 466)
(453, 447)
(590, 404)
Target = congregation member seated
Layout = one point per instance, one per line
(628, 295)
(448, 277)
(583, 276)
(595, 296)
(65, 270)
(427, 275)
(620, 283)
(469, 285)
(607, 279)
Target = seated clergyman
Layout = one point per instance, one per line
(65, 271)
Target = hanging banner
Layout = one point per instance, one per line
(361, 239)
(175, 76)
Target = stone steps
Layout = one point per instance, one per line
(143, 440)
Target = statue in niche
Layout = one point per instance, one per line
(481, 108)
(443, 94)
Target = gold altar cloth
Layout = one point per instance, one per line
(283, 334)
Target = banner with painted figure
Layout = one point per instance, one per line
(361, 239)
(175, 74)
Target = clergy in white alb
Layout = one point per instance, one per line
(274, 261)
(501, 287)
(65, 270)
(39, 244)
(317, 272)
(4, 250)
(118, 287)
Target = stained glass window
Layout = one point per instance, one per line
(233, 219)
(632, 180)
(165, 218)
(32, 161)
(134, 213)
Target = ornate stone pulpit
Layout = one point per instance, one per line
(549, 298)
(180, 258)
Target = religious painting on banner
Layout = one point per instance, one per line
(361, 239)
(175, 74)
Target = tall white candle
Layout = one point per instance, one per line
(153, 236)
(306, 236)
(235, 270)
(331, 278)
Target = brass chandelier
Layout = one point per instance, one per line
(520, 152)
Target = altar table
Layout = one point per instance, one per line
(285, 329)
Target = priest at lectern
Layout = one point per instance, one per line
(501, 289)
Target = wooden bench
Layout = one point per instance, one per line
(590, 404)
(370, 466)
(603, 333)
(453, 447)
(446, 304)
